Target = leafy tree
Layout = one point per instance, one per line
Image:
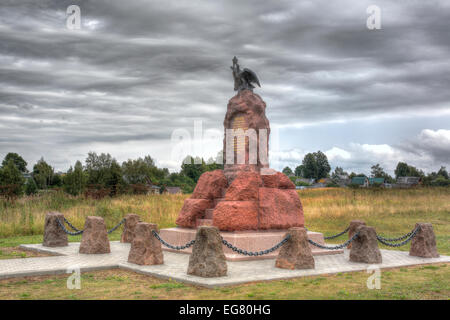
(315, 165)
(309, 166)
(193, 168)
(377, 171)
(20, 163)
(443, 172)
(10, 175)
(323, 167)
(404, 170)
(42, 174)
(338, 171)
(299, 171)
(287, 171)
(30, 187)
(57, 181)
(75, 180)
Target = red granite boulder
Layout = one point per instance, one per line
(285, 182)
(131, 220)
(236, 215)
(207, 258)
(95, 237)
(275, 179)
(192, 210)
(279, 209)
(424, 243)
(270, 178)
(296, 253)
(244, 187)
(54, 236)
(145, 248)
(354, 224)
(210, 185)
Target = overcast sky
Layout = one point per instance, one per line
(138, 70)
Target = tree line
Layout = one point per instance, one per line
(100, 175)
(316, 166)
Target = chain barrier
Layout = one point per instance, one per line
(118, 225)
(67, 231)
(339, 246)
(397, 239)
(412, 235)
(187, 245)
(71, 225)
(257, 253)
(338, 234)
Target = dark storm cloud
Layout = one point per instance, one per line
(140, 69)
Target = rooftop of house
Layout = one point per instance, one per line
(173, 190)
(359, 180)
(408, 180)
(376, 180)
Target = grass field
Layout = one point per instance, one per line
(393, 212)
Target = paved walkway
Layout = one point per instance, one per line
(175, 265)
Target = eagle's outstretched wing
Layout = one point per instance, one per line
(250, 76)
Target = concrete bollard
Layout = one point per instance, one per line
(424, 242)
(145, 248)
(296, 252)
(365, 246)
(207, 258)
(54, 235)
(352, 228)
(131, 220)
(95, 237)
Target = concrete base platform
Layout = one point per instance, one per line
(176, 264)
(246, 240)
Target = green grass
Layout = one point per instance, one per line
(419, 282)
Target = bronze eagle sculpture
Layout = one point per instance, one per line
(243, 80)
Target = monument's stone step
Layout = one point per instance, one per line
(209, 213)
(204, 222)
(246, 240)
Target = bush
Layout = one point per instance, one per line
(441, 182)
(31, 187)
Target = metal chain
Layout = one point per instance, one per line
(70, 225)
(187, 245)
(337, 235)
(118, 225)
(67, 231)
(257, 253)
(339, 246)
(397, 239)
(413, 234)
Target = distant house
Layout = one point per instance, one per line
(408, 182)
(153, 189)
(376, 181)
(363, 182)
(304, 180)
(342, 180)
(173, 190)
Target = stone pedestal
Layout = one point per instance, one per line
(54, 236)
(95, 237)
(424, 243)
(295, 253)
(145, 248)
(246, 240)
(354, 224)
(365, 246)
(131, 220)
(207, 258)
